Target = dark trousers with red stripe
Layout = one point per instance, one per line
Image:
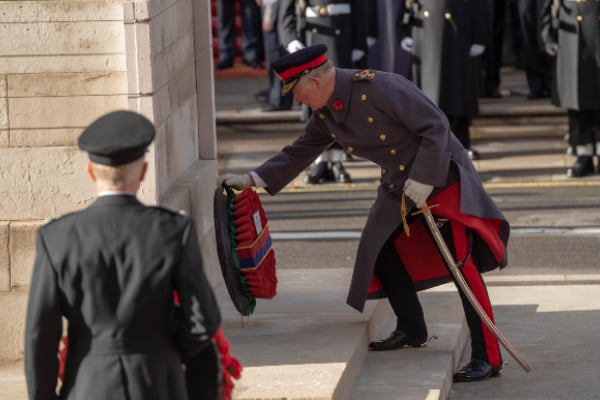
(402, 295)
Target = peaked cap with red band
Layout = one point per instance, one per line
(291, 67)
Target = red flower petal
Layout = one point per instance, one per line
(337, 104)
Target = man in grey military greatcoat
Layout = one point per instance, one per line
(386, 119)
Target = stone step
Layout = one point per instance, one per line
(556, 130)
(505, 112)
(306, 343)
(424, 373)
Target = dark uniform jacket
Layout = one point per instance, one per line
(111, 271)
(340, 33)
(443, 32)
(386, 119)
(576, 29)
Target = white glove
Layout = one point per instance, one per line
(357, 54)
(239, 182)
(407, 44)
(371, 41)
(294, 46)
(551, 48)
(476, 50)
(418, 192)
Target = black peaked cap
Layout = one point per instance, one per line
(117, 138)
(291, 67)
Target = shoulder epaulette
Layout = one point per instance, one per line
(364, 75)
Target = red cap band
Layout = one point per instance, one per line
(298, 69)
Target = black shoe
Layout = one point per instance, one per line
(225, 64)
(253, 64)
(348, 156)
(476, 370)
(582, 167)
(473, 154)
(536, 96)
(262, 97)
(396, 340)
(317, 173)
(339, 173)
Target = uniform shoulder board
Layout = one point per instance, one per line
(364, 75)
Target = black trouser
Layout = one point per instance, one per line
(460, 124)
(274, 51)
(492, 57)
(537, 64)
(203, 375)
(400, 291)
(584, 127)
(403, 298)
(252, 46)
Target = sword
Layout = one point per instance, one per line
(464, 286)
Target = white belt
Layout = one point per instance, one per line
(329, 9)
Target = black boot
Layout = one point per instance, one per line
(396, 340)
(317, 173)
(582, 167)
(476, 370)
(339, 173)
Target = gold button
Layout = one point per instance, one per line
(338, 32)
(333, 135)
(426, 14)
(370, 120)
(363, 97)
(383, 171)
(393, 152)
(322, 116)
(382, 137)
(350, 149)
(448, 16)
(392, 186)
(580, 18)
(323, 11)
(401, 167)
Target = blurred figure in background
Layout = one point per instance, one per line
(536, 63)
(492, 57)
(272, 99)
(252, 45)
(372, 30)
(386, 54)
(571, 31)
(446, 39)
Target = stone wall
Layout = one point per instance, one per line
(64, 63)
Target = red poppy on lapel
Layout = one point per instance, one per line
(337, 104)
